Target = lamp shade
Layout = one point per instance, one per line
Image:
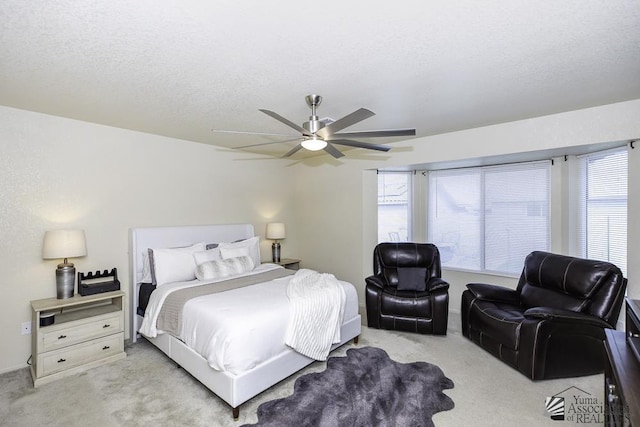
(64, 244)
(276, 231)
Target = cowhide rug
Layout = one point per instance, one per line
(365, 388)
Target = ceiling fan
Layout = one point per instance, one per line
(324, 134)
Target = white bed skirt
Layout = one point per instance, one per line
(237, 389)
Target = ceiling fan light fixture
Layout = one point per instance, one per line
(314, 143)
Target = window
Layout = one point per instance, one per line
(394, 206)
(489, 219)
(603, 207)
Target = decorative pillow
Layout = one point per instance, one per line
(412, 279)
(208, 255)
(224, 267)
(174, 265)
(146, 268)
(249, 247)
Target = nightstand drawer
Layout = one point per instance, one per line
(62, 335)
(80, 354)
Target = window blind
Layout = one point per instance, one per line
(603, 207)
(394, 206)
(488, 219)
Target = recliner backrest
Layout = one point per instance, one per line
(388, 258)
(581, 285)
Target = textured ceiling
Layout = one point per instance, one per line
(181, 68)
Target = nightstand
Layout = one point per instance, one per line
(87, 331)
(291, 264)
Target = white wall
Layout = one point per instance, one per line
(346, 240)
(59, 173)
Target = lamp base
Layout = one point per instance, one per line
(275, 251)
(65, 280)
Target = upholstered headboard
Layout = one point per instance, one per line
(140, 239)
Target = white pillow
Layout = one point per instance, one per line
(175, 265)
(249, 247)
(208, 255)
(224, 267)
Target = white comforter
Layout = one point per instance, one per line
(236, 330)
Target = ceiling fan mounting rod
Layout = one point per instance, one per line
(313, 125)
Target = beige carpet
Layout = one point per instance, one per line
(147, 389)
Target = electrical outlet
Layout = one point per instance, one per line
(25, 328)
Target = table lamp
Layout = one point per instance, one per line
(276, 231)
(64, 244)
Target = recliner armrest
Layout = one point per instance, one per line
(378, 281)
(548, 313)
(494, 293)
(437, 284)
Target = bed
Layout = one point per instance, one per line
(234, 386)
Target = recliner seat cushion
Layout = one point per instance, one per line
(405, 303)
(500, 322)
(537, 296)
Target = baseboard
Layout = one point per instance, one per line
(14, 368)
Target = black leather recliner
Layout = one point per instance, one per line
(406, 292)
(552, 325)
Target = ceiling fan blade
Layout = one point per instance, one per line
(287, 122)
(346, 121)
(333, 151)
(293, 150)
(376, 133)
(266, 143)
(359, 144)
(249, 133)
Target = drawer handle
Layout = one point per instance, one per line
(61, 337)
(106, 347)
(62, 360)
(107, 325)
